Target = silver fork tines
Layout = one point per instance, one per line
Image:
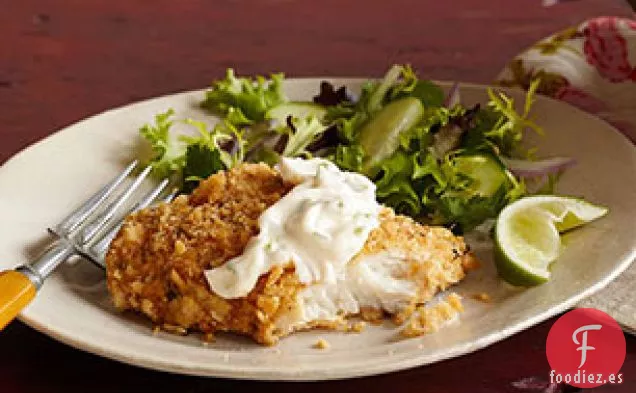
(77, 218)
(67, 245)
(103, 219)
(97, 251)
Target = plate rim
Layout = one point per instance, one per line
(274, 374)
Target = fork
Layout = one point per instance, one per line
(87, 232)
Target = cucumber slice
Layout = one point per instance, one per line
(380, 136)
(298, 110)
(487, 173)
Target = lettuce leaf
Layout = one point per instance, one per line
(459, 204)
(428, 92)
(400, 164)
(244, 99)
(201, 162)
(347, 122)
(206, 154)
(330, 96)
(348, 157)
(418, 178)
(237, 118)
(401, 196)
(425, 164)
(399, 82)
(394, 184)
(301, 133)
(409, 85)
(467, 213)
(191, 158)
(434, 190)
(221, 135)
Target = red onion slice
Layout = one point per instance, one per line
(453, 97)
(548, 166)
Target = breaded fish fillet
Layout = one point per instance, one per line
(156, 263)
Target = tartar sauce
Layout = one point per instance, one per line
(319, 226)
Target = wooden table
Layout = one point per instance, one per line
(63, 60)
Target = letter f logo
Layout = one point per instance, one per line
(584, 347)
(572, 332)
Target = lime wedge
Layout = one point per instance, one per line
(527, 237)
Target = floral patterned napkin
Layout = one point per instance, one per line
(593, 67)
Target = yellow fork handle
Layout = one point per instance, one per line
(16, 291)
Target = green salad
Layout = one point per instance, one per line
(430, 156)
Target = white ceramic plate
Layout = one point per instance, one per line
(44, 182)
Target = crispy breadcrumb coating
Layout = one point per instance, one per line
(155, 265)
(322, 344)
(429, 319)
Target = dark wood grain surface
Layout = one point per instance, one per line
(63, 60)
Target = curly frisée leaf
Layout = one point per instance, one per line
(192, 158)
(348, 157)
(251, 96)
(508, 130)
(394, 184)
(169, 151)
(236, 117)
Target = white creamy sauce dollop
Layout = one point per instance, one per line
(319, 226)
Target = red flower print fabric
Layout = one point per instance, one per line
(591, 66)
(605, 47)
